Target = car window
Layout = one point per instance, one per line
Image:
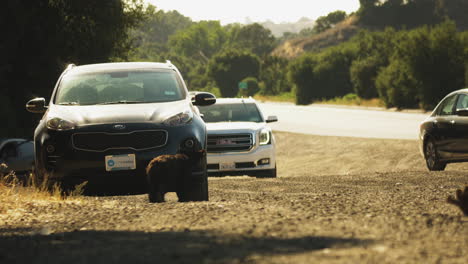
(236, 112)
(9, 151)
(121, 86)
(462, 102)
(446, 108)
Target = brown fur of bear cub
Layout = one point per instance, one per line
(166, 170)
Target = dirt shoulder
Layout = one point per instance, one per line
(337, 200)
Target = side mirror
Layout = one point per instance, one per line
(271, 119)
(203, 99)
(462, 112)
(36, 105)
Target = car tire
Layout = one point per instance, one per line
(433, 162)
(267, 173)
(197, 192)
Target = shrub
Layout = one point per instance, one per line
(363, 74)
(396, 86)
(252, 87)
(228, 68)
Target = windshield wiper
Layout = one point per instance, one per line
(68, 103)
(122, 102)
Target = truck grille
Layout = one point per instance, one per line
(136, 140)
(230, 143)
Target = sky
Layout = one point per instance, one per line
(231, 11)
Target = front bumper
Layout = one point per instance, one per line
(68, 163)
(242, 162)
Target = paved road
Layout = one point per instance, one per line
(344, 121)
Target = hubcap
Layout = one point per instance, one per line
(430, 154)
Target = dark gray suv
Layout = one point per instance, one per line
(106, 122)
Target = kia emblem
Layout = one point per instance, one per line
(119, 127)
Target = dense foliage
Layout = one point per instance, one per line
(414, 68)
(40, 37)
(409, 53)
(230, 67)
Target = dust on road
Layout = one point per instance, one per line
(337, 200)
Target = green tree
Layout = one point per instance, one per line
(150, 38)
(252, 37)
(274, 76)
(326, 22)
(301, 74)
(199, 41)
(230, 67)
(363, 74)
(435, 58)
(396, 85)
(42, 36)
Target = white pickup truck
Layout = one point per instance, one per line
(239, 139)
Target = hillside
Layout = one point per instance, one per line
(340, 33)
(278, 29)
(375, 16)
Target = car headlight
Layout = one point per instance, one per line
(59, 124)
(265, 136)
(179, 119)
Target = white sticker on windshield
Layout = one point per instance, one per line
(169, 93)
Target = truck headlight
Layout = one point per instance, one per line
(265, 136)
(59, 124)
(179, 119)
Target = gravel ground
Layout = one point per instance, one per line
(337, 200)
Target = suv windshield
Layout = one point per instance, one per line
(119, 87)
(240, 112)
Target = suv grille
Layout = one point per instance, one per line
(137, 140)
(230, 143)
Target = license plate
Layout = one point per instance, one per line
(227, 166)
(120, 162)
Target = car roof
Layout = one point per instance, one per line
(121, 66)
(464, 90)
(4, 141)
(234, 100)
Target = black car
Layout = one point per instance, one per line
(17, 154)
(444, 135)
(106, 122)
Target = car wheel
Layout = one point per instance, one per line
(267, 173)
(197, 192)
(432, 158)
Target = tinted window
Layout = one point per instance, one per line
(446, 108)
(231, 113)
(462, 101)
(112, 87)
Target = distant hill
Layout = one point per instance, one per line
(406, 15)
(279, 29)
(334, 36)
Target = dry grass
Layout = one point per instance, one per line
(353, 100)
(461, 200)
(332, 37)
(17, 193)
(285, 97)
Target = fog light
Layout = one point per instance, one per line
(263, 162)
(189, 143)
(50, 149)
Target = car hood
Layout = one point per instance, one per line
(233, 127)
(118, 113)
